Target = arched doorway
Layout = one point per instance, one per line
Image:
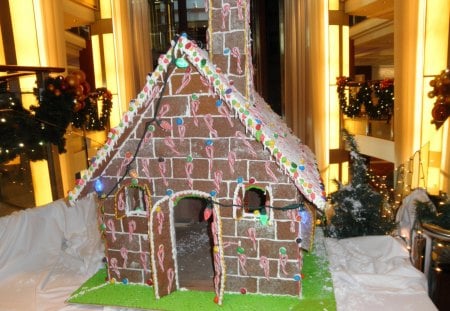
(194, 243)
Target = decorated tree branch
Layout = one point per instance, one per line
(377, 97)
(357, 206)
(441, 90)
(63, 101)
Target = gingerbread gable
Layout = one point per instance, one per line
(260, 123)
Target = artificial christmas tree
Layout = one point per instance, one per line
(357, 206)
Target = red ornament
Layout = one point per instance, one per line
(440, 112)
(216, 299)
(149, 282)
(243, 291)
(207, 213)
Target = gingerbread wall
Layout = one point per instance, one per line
(200, 146)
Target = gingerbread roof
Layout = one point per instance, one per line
(264, 125)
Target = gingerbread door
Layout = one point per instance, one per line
(169, 225)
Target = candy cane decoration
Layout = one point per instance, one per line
(242, 136)
(242, 261)
(181, 131)
(210, 153)
(223, 110)
(145, 162)
(165, 125)
(112, 228)
(185, 80)
(208, 84)
(209, 123)
(189, 167)
(114, 267)
(225, 13)
(168, 141)
(162, 172)
(214, 232)
(269, 172)
(228, 244)
(252, 235)
(264, 263)
(231, 160)
(154, 92)
(170, 276)
(218, 179)
(236, 54)
(217, 272)
(240, 5)
(160, 220)
(121, 202)
(143, 258)
(293, 217)
(124, 254)
(161, 257)
(194, 109)
(127, 160)
(147, 203)
(131, 228)
(206, 3)
(163, 111)
(283, 260)
(148, 136)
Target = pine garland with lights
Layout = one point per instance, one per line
(352, 106)
(357, 206)
(20, 134)
(62, 101)
(88, 117)
(55, 111)
(384, 91)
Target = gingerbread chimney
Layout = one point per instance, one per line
(230, 42)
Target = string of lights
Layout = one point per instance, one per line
(154, 119)
(211, 202)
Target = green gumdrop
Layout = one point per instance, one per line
(258, 135)
(282, 250)
(240, 250)
(181, 63)
(263, 219)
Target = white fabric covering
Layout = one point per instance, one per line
(46, 253)
(374, 273)
(406, 214)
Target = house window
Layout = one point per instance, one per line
(132, 199)
(255, 200)
(135, 198)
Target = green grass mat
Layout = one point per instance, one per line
(318, 293)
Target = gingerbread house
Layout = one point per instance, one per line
(198, 138)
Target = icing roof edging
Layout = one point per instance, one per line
(295, 158)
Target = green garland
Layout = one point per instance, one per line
(352, 107)
(19, 131)
(62, 101)
(88, 117)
